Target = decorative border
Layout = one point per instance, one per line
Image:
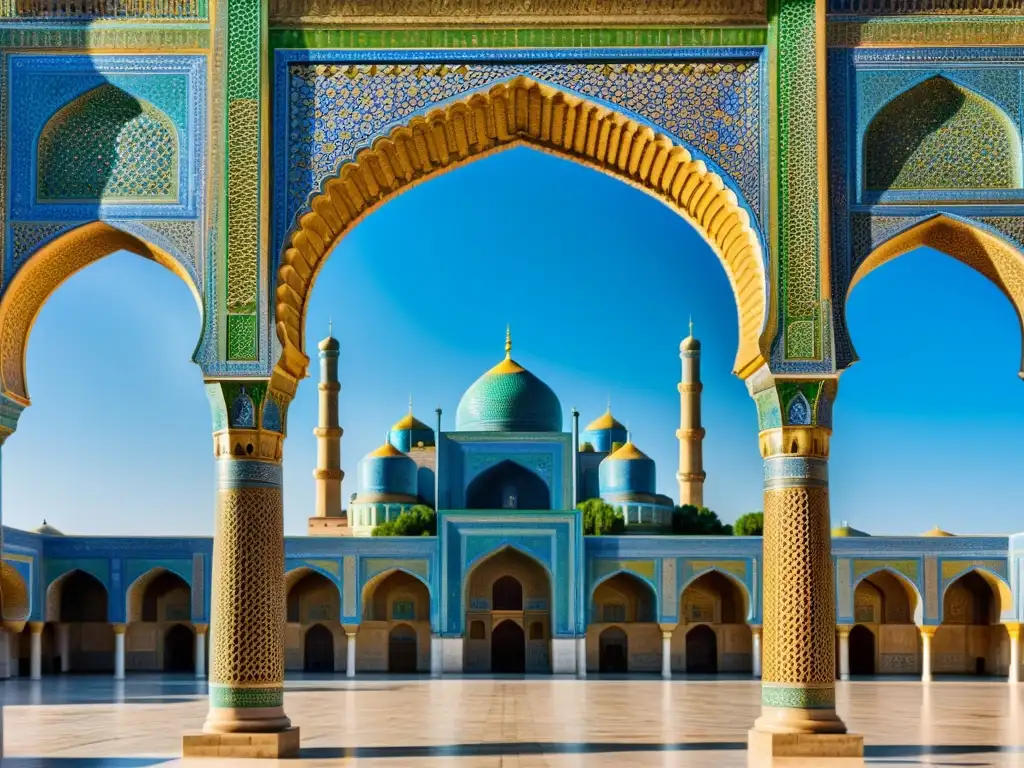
(952, 31)
(797, 697)
(231, 697)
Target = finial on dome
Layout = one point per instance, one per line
(330, 325)
(508, 342)
(691, 325)
(609, 403)
(410, 402)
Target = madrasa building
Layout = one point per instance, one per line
(509, 583)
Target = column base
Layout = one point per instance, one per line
(765, 744)
(281, 744)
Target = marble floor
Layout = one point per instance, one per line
(80, 722)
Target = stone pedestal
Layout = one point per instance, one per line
(763, 744)
(282, 744)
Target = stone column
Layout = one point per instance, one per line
(247, 613)
(5, 655)
(844, 651)
(350, 658)
(436, 651)
(666, 655)
(36, 657)
(581, 657)
(927, 633)
(119, 630)
(755, 652)
(14, 646)
(798, 706)
(200, 651)
(64, 646)
(1013, 629)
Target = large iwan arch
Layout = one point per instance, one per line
(524, 112)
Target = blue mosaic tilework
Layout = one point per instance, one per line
(246, 473)
(331, 106)
(40, 85)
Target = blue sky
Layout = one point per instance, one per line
(597, 281)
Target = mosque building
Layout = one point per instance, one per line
(509, 583)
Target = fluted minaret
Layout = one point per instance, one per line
(328, 474)
(690, 433)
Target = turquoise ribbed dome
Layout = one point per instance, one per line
(508, 398)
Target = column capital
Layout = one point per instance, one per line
(668, 628)
(755, 629)
(119, 629)
(36, 627)
(201, 629)
(249, 418)
(791, 402)
(928, 630)
(844, 629)
(1013, 628)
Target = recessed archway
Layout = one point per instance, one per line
(970, 640)
(508, 485)
(625, 603)
(714, 601)
(523, 112)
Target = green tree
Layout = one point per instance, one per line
(601, 518)
(419, 520)
(750, 524)
(689, 520)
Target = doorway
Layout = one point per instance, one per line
(701, 650)
(862, 651)
(402, 649)
(613, 655)
(508, 648)
(319, 650)
(179, 649)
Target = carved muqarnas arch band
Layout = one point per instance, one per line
(524, 112)
(984, 252)
(43, 273)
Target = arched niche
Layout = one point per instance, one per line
(970, 640)
(524, 112)
(394, 634)
(888, 607)
(108, 145)
(969, 243)
(731, 594)
(77, 596)
(44, 272)
(713, 609)
(940, 135)
(159, 595)
(623, 597)
(508, 485)
(623, 634)
(311, 597)
(898, 598)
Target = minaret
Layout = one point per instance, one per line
(690, 433)
(328, 473)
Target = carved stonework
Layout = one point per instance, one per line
(925, 7)
(403, 13)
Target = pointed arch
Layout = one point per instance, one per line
(646, 582)
(135, 595)
(44, 272)
(15, 604)
(941, 135)
(480, 559)
(912, 590)
(1000, 588)
(524, 112)
(55, 594)
(988, 254)
(742, 588)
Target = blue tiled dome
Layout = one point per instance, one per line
(605, 431)
(508, 398)
(627, 473)
(409, 432)
(387, 474)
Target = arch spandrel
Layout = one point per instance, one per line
(524, 112)
(44, 272)
(988, 254)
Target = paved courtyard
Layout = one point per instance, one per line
(77, 722)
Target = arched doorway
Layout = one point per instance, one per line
(507, 586)
(508, 648)
(402, 649)
(701, 650)
(862, 651)
(720, 604)
(613, 656)
(79, 600)
(318, 650)
(394, 600)
(508, 485)
(627, 604)
(886, 604)
(970, 640)
(179, 649)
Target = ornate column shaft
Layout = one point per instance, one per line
(248, 600)
(799, 626)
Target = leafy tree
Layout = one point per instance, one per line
(601, 518)
(750, 524)
(689, 520)
(419, 520)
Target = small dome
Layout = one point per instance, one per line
(387, 474)
(605, 431)
(626, 473)
(937, 532)
(409, 432)
(48, 530)
(508, 398)
(330, 343)
(845, 530)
